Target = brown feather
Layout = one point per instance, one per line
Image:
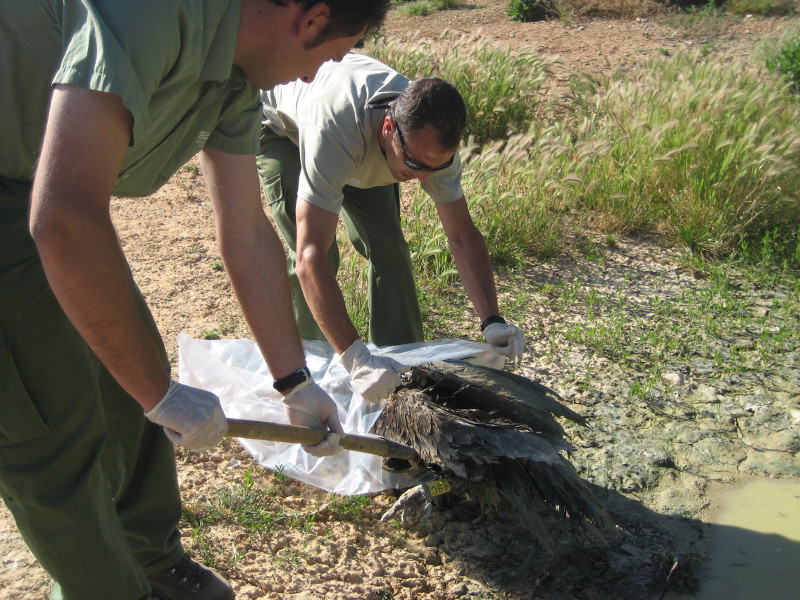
(511, 468)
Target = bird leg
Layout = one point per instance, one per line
(418, 497)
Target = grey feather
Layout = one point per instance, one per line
(496, 438)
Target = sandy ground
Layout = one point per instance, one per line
(337, 551)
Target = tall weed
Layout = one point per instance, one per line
(709, 149)
(705, 150)
(501, 87)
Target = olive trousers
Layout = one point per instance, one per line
(371, 218)
(91, 483)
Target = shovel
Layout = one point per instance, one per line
(278, 432)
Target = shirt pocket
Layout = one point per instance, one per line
(20, 420)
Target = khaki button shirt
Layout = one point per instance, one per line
(171, 62)
(334, 121)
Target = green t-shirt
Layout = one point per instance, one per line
(171, 62)
(334, 120)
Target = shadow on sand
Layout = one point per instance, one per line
(648, 556)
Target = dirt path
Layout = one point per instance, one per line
(656, 486)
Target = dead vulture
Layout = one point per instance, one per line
(494, 436)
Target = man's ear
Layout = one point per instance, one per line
(387, 126)
(313, 21)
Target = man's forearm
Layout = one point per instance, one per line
(89, 276)
(324, 298)
(475, 269)
(85, 140)
(254, 258)
(256, 264)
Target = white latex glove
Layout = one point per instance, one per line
(374, 377)
(308, 405)
(191, 417)
(507, 340)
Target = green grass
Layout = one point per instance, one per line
(782, 56)
(703, 151)
(532, 10)
(353, 281)
(223, 329)
(348, 507)
(709, 150)
(718, 319)
(699, 19)
(501, 88)
(253, 504)
(245, 503)
(192, 168)
(422, 8)
(767, 8)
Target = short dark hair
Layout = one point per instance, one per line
(432, 101)
(348, 17)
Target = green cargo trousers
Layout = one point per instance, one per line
(372, 220)
(90, 481)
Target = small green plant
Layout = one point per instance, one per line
(225, 328)
(349, 507)
(767, 8)
(292, 558)
(532, 10)
(422, 8)
(280, 475)
(419, 8)
(217, 266)
(205, 549)
(398, 540)
(702, 19)
(708, 47)
(786, 62)
(192, 168)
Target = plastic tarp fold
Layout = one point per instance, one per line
(236, 372)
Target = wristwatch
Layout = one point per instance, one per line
(490, 320)
(292, 380)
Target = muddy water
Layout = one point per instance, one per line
(755, 544)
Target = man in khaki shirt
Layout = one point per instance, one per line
(338, 146)
(102, 98)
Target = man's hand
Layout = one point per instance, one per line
(308, 405)
(191, 417)
(374, 377)
(507, 340)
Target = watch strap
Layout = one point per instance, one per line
(493, 319)
(292, 380)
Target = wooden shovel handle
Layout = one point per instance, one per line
(279, 432)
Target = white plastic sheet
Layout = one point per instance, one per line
(237, 373)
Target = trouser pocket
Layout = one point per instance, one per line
(19, 418)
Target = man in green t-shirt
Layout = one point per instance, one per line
(102, 98)
(339, 145)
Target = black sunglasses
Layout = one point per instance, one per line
(412, 164)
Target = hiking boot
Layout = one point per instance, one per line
(189, 580)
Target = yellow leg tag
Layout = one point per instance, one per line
(438, 487)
